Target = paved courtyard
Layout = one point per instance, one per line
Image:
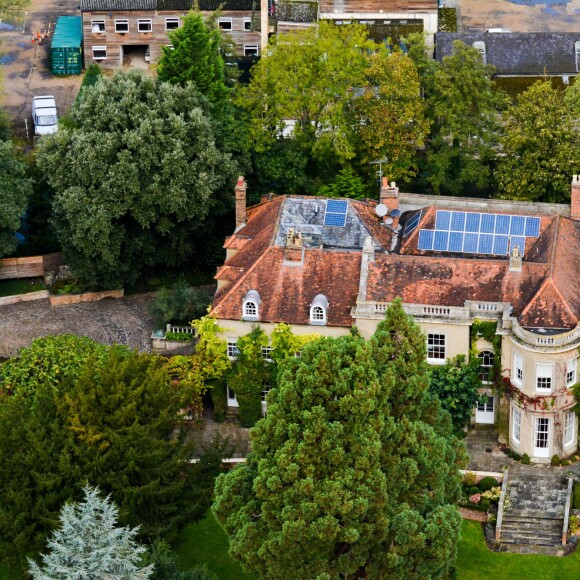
(121, 321)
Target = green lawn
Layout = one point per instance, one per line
(22, 286)
(206, 543)
(476, 562)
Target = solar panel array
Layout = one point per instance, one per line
(412, 223)
(335, 213)
(478, 233)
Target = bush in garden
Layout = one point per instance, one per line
(473, 489)
(485, 503)
(487, 483)
(525, 459)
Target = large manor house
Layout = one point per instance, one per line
(324, 265)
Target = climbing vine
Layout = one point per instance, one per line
(487, 329)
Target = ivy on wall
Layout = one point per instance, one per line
(447, 20)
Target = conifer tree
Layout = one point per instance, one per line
(89, 544)
(354, 468)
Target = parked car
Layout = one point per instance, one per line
(44, 115)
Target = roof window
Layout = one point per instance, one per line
(250, 310)
(319, 310)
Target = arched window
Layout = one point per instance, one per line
(486, 358)
(251, 306)
(318, 310)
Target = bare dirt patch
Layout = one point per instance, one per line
(25, 67)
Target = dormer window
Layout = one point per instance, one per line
(319, 310)
(251, 306)
(479, 45)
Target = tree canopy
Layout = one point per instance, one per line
(353, 471)
(136, 173)
(15, 191)
(117, 424)
(541, 145)
(89, 544)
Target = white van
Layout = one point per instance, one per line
(44, 115)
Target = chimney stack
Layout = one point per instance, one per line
(575, 198)
(515, 259)
(390, 198)
(240, 190)
(293, 251)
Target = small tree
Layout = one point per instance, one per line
(90, 545)
(180, 304)
(15, 191)
(455, 384)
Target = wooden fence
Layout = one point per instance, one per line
(30, 266)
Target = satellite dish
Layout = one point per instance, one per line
(381, 210)
(389, 221)
(395, 213)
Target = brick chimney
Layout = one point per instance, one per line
(390, 198)
(293, 251)
(575, 198)
(240, 190)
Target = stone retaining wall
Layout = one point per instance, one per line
(62, 299)
(39, 295)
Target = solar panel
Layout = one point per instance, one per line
(502, 224)
(500, 245)
(518, 241)
(412, 223)
(518, 225)
(532, 227)
(425, 239)
(441, 241)
(336, 206)
(335, 213)
(470, 242)
(487, 225)
(456, 241)
(457, 221)
(335, 219)
(472, 222)
(442, 220)
(485, 245)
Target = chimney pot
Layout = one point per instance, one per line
(240, 192)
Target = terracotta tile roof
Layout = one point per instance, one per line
(286, 291)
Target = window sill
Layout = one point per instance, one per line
(318, 323)
(436, 361)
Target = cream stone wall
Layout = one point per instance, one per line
(553, 405)
(237, 328)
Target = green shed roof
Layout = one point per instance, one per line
(68, 32)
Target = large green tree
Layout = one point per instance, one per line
(464, 107)
(354, 468)
(15, 191)
(116, 423)
(541, 145)
(136, 173)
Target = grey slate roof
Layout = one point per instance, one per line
(177, 5)
(306, 216)
(519, 53)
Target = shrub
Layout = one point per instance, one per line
(487, 483)
(574, 525)
(179, 336)
(576, 497)
(475, 498)
(470, 479)
(179, 305)
(220, 402)
(485, 503)
(525, 459)
(473, 489)
(555, 460)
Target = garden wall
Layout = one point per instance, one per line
(30, 266)
(63, 299)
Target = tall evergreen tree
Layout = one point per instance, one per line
(354, 468)
(89, 544)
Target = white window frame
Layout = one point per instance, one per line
(569, 429)
(317, 315)
(98, 23)
(233, 350)
(99, 49)
(265, 390)
(250, 310)
(172, 21)
(436, 345)
(223, 21)
(146, 21)
(247, 25)
(251, 47)
(267, 353)
(121, 21)
(486, 369)
(516, 424)
(518, 374)
(544, 376)
(571, 371)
